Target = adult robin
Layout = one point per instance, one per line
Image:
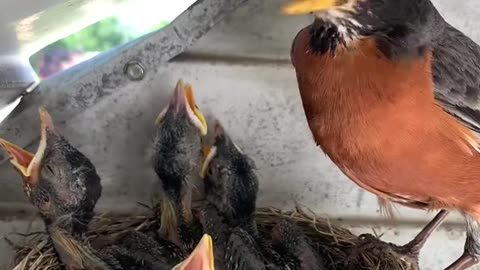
(391, 94)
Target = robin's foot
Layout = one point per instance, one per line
(413, 247)
(471, 255)
(408, 252)
(464, 262)
(386, 254)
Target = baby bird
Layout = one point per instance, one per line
(176, 159)
(231, 184)
(214, 224)
(153, 253)
(58, 179)
(63, 184)
(231, 188)
(147, 257)
(201, 257)
(294, 247)
(242, 252)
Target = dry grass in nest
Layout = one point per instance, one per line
(341, 249)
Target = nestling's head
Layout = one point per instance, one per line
(289, 240)
(201, 258)
(387, 20)
(230, 180)
(58, 179)
(287, 236)
(177, 147)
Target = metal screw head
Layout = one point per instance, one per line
(134, 70)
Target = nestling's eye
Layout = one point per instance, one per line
(76, 185)
(44, 203)
(210, 172)
(224, 172)
(50, 169)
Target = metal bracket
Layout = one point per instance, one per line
(79, 88)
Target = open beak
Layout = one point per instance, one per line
(201, 257)
(183, 99)
(299, 7)
(202, 124)
(209, 152)
(19, 158)
(25, 162)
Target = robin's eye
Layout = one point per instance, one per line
(210, 171)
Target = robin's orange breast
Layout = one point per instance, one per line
(377, 119)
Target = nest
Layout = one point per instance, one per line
(340, 248)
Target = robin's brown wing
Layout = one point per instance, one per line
(456, 76)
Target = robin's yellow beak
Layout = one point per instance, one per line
(183, 99)
(26, 163)
(299, 7)
(201, 257)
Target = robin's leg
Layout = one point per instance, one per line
(411, 250)
(413, 247)
(471, 253)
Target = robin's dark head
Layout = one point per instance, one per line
(230, 180)
(398, 23)
(177, 147)
(58, 179)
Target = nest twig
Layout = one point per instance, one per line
(341, 248)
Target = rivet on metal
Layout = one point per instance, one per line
(134, 70)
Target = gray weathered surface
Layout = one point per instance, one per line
(240, 73)
(84, 85)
